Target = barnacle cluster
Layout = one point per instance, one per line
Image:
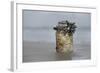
(66, 27)
(64, 36)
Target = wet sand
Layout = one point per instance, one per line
(45, 51)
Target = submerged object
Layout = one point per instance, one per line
(64, 36)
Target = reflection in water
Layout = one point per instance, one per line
(59, 56)
(42, 51)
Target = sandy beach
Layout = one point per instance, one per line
(45, 51)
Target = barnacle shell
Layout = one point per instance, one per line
(63, 42)
(64, 36)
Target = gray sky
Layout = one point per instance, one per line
(50, 19)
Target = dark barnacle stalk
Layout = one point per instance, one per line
(66, 27)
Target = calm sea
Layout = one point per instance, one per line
(81, 36)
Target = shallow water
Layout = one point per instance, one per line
(44, 51)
